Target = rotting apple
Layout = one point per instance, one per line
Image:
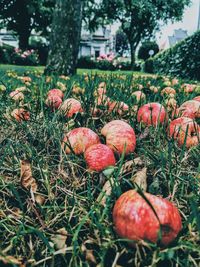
(185, 131)
(135, 219)
(17, 96)
(152, 114)
(79, 139)
(168, 91)
(20, 114)
(98, 157)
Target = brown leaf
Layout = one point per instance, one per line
(27, 180)
(60, 238)
(144, 134)
(10, 260)
(90, 256)
(128, 166)
(106, 192)
(39, 199)
(140, 178)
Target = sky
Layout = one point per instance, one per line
(189, 23)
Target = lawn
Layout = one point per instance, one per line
(51, 207)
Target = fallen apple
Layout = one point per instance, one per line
(55, 92)
(53, 101)
(20, 114)
(98, 157)
(135, 219)
(70, 107)
(190, 109)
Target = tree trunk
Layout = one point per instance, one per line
(132, 47)
(23, 39)
(65, 37)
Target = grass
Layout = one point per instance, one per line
(30, 230)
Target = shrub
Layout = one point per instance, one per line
(26, 58)
(86, 63)
(182, 60)
(105, 65)
(144, 49)
(6, 52)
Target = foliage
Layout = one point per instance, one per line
(86, 63)
(139, 19)
(121, 43)
(68, 193)
(182, 60)
(23, 16)
(145, 47)
(27, 57)
(5, 54)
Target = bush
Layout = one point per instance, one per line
(182, 60)
(86, 63)
(25, 58)
(6, 52)
(144, 49)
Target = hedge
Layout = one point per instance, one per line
(182, 60)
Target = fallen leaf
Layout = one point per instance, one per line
(27, 180)
(39, 199)
(10, 260)
(144, 134)
(128, 166)
(140, 178)
(90, 256)
(106, 192)
(60, 238)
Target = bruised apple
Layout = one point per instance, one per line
(120, 136)
(152, 114)
(53, 101)
(70, 107)
(135, 219)
(185, 130)
(79, 139)
(98, 157)
(55, 92)
(21, 114)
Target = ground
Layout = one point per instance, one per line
(56, 217)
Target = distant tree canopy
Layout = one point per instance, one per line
(138, 19)
(144, 49)
(121, 42)
(22, 16)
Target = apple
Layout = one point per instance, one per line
(55, 92)
(78, 140)
(171, 104)
(139, 96)
(185, 130)
(190, 109)
(175, 81)
(20, 114)
(17, 96)
(119, 107)
(197, 98)
(98, 157)
(168, 91)
(188, 88)
(154, 89)
(120, 136)
(135, 219)
(53, 101)
(70, 107)
(152, 114)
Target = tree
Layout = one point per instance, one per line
(22, 16)
(142, 18)
(144, 49)
(65, 37)
(121, 43)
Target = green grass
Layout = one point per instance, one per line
(70, 192)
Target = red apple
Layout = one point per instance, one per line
(188, 88)
(190, 109)
(185, 130)
(98, 157)
(120, 136)
(197, 98)
(152, 114)
(119, 107)
(139, 96)
(70, 107)
(79, 140)
(17, 96)
(168, 91)
(21, 114)
(55, 92)
(135, 219)
(53, 101)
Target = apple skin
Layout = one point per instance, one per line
(178, 129)
(17, 96)
(139, 96)
(70, 107)
(79, 139)
(53, 101)
(188, 88)
(152, 114)
(197, 98)
(55, 92)
(135, 220)
(20, 114)
(168, 91)
(119, 136)
(119, 107)
(190, 109)
(98, 157)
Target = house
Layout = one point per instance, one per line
(178, 36)
(97, 43)
(7, 37)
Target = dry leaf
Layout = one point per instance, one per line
(144, 134)
(39, 199)
(128, 166)
(140, 178)
(90, 256)
(106, 192)
(60, 239)
(10, 260)
(27, 180)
